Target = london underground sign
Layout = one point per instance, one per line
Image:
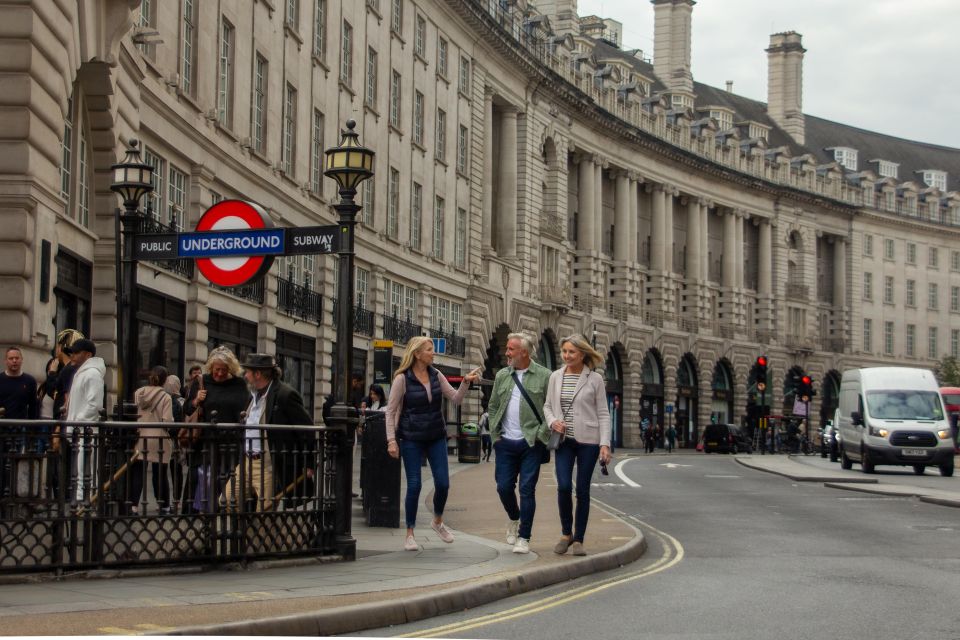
(235, 242)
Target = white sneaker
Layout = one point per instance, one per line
(411, 544)
(513, 526)
(522, 546)
(442, 532)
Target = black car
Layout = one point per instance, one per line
(829, 443)
(725, 438)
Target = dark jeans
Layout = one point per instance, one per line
(411, 452)
(159, 478)
(585, 456)
(516, 458)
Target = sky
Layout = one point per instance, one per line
(883, 65)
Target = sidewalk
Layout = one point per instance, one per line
(386, 585)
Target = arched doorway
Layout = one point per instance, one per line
(547, 350)
(829, 396)
(495, 359)
(721, 407)
(687, 402)
(651, 391)
(614, 380)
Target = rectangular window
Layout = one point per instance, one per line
(442, 48)
(396, 299)
(955, 299)
(932, 347)
(888, 338)
(371, 77)
(955, 261)
(83, 183)
(868, 286)
(146, 21)
(316, 153)
(393, 206)
(889, 250)
(463, 142)
(464, 77)
(156, 199)
(420, 36)
(360, 286)
(911, 253)
(418, 118)
(441, 151)
(911, 338)
(416, 215)
(868, 245)
(369, 197)
(177, 198)
(259, 106)
(936, 179)
(346, 54)
(410, 304)
(395, 89)
(396, 18)
(441, 321)
(888, 289)
(456, 318)
(225, 76)
(955, 343)
(867, 335)
(66, 155)
(319, 28)
(215, 198)
(933, 258)
(438, 228)
(911, 293)
(188, 44)
(290, 131)
(293, 14)
(460, 238)
(933, 296)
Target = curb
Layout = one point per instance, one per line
(352, 618)
(922, 497)
(806, 478)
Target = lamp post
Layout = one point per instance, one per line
(349, 164)
(132, 179)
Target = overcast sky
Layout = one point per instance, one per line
(883, 65)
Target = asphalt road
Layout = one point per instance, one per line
(737, 553)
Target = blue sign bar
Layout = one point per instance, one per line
(239, 242)
(440, 346)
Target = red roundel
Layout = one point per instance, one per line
(235, 271)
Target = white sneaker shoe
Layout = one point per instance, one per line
(411, 544)
(513, 526)
(442, 532)
(522, 546)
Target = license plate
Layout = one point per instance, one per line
(711, 444)
(917, 453)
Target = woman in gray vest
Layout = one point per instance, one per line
(415, 427)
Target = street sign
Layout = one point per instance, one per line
(382, 361)
(231, 215)
(668, 408)
(440, 345)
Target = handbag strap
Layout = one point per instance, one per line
(526, 396)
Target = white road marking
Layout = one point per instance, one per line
(620, 474)
(672, 465)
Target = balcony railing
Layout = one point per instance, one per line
(400, 330)
(835, 345)
(253, 292)
(184, 267)
(363, 319)
(456, 345)
(797, 291)
(299, 301)
(799, 343)
(555, 294)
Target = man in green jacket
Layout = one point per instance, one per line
(520, 435)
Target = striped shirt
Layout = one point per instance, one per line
(567, 390)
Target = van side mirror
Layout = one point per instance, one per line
(856, 418)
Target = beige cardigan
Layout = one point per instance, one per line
(589, 414)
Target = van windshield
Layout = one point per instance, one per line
(904, 405)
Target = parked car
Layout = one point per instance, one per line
(725, 438)
(829, 445)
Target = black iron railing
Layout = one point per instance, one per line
(363, 319)
(299, 301)
(148, 224)
(400, 330)
(127, 494)
(253, 292)
(456, 345)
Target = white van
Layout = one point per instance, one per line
(895, 416)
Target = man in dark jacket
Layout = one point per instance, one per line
(278, 461)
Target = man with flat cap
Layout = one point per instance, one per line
(275, 462)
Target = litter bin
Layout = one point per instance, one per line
(381, 477)
(468, 443)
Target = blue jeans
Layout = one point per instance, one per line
(411, 451)
(517, 458)
(585, 456)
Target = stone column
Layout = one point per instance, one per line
(657, 231)
(598, 228)
(729, 249)
(507, 185)
(765, 266)
(694, 265)
(621, 240)
(839, 273)
(741, 256)
(669, 194)
(487, 214)
(634, 217)
(705, 239)
(586, 204)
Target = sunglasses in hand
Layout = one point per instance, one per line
(603, 468)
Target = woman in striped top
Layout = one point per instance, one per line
(576, 406)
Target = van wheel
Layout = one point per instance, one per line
(845, 462)
(866, 464)
(918, 469)
(946, 469)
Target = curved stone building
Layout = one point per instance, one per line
(530, 174)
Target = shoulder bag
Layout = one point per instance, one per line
(536, 414)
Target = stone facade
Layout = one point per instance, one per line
(526, 178)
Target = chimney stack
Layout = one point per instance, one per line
(671, 43)
(729, 86)
(562, 15)
(785, 83)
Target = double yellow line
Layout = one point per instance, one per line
(672, 555)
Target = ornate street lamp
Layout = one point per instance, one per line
(132, 179)
(349, 164)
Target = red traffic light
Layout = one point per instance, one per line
(806, 380)
(761, 361)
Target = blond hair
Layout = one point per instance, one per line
(224, 355)
(591, 357)
(414, 346)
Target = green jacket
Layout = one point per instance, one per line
(535, 382)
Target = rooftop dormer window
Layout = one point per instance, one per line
(846, 156)
(887, 169)
(723, 117)
(935, 178)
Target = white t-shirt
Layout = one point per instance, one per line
(511, 417)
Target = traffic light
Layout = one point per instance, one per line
(761, 370)
(806, 388)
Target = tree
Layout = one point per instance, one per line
(948, 372)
